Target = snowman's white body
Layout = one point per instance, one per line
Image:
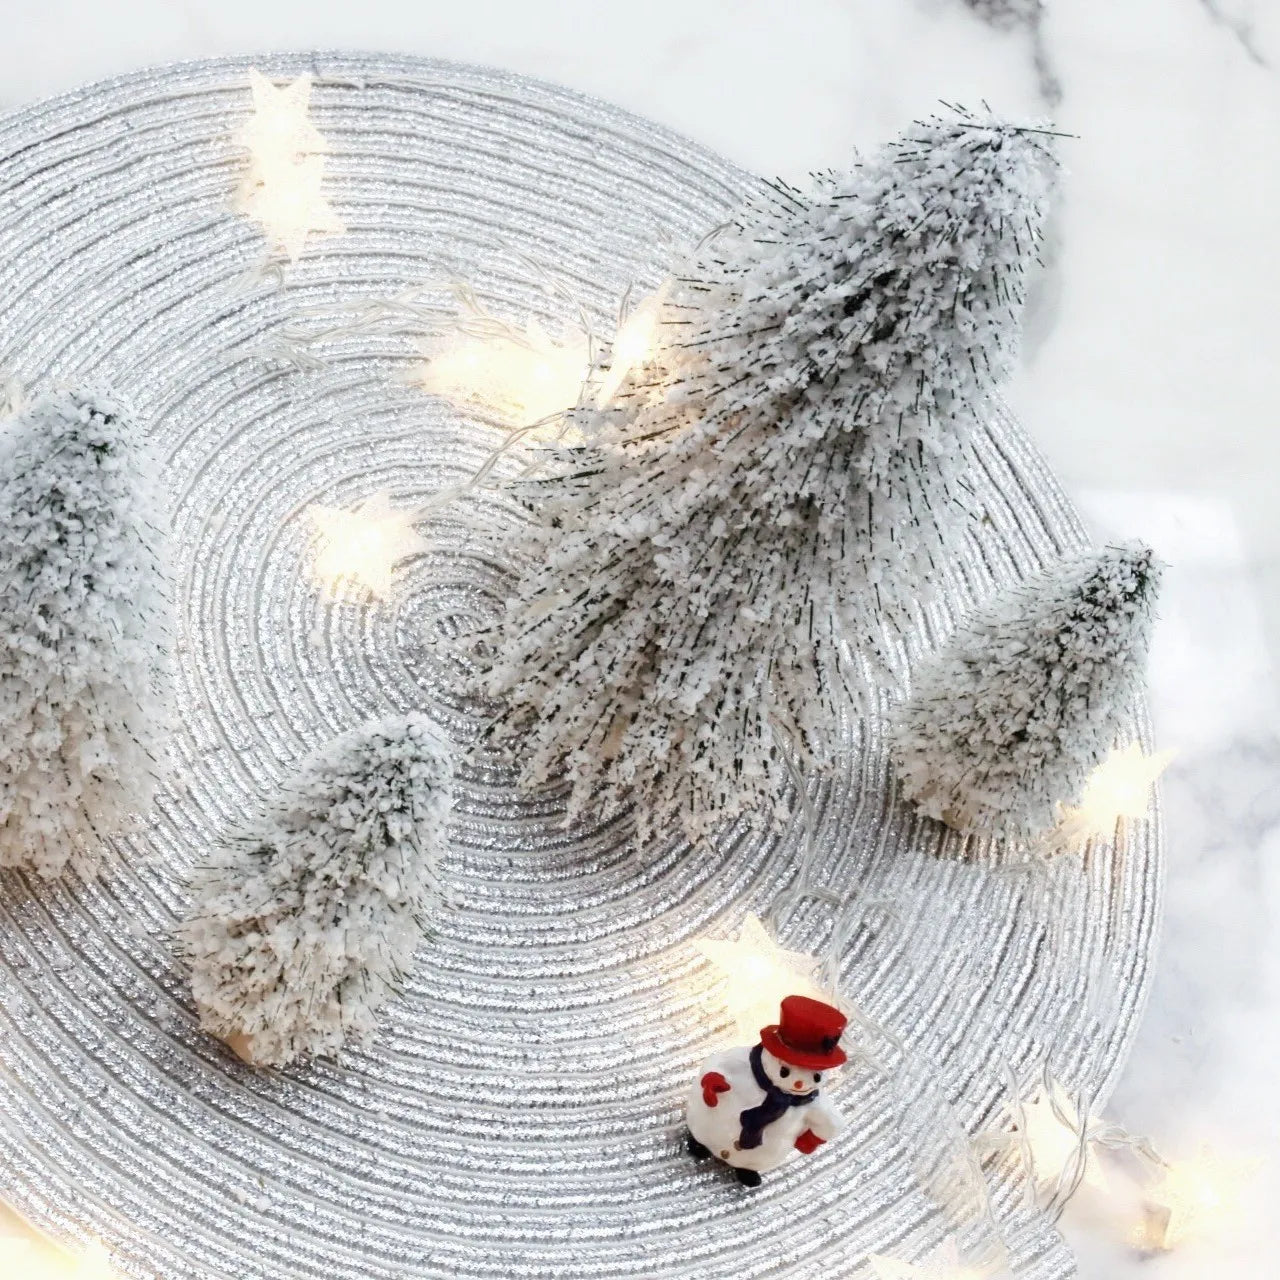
(718, 1127)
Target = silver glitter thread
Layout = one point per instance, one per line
(519, 1115)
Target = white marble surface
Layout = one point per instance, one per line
(1151, 383)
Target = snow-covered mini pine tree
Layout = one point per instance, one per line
(768, 495)
(1008, 718)
(303, 926)
(85, 630)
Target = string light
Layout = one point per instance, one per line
(523, 377)
(1118, 790)
(758, 974)
(282, 190)
(366, 544)
(944, 1264)
(1194, 1198)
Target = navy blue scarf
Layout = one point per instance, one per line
(755, 1119)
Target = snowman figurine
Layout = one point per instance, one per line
(752, 1107)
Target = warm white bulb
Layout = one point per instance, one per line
(94, 1264)
(1119, 789)
(758, 974)
(520, 378)
(290, 206)
(632, 344)
(1198, 1198)
(20, 1259)
(364, 545)
(279, 130)
(282, 188)
(1059, 1140)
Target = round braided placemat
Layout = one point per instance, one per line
(520, 1113)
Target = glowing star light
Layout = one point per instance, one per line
(364, 544)
(943, 1264)
(758, 974)
(1118, 790)
(1061, 1145)
(1056, 1146)
(282, 189)
(632, 344)
(93, 1264)
(22, 1260)
(521, 377)
(14, 1249)
(279, 132)
(1195, 1199)
(289, 208)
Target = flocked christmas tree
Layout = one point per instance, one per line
(1007, 720)
(768, 495)
(302, 928)
(84, 630)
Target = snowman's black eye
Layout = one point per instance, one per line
(817, 1075)
(784, 1072)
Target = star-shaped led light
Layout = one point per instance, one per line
(758, 973)
(94, 1263)
(290, 206)
(14, 1249)
(280, 131)
(1195, 1199)
(366, 544)
(282, 189)
(943, 1264)
(23, 1260)
(1056, 1146)
(1118, 790)
(1060, 1142)
(523, 378)
(631, 344)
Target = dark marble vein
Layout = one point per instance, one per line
(1029, 15)
(1239, 26)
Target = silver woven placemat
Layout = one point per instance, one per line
(520, 1114)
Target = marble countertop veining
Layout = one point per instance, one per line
(1150, 382)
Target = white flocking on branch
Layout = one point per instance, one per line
(302, 927)
(1008, 719)
(85, 630)
(767, 496)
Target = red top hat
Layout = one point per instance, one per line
(808, 1035)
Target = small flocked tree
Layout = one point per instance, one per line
(1008, 719)
(84, 630)
(303, 926)
(767, 496)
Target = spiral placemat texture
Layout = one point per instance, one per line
(520, 1114)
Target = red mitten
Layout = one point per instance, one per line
(808, 1142)
(713, 1083)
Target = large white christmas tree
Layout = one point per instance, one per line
(1008, 719)
(768, 496)
(84, 630)
(302, 928)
